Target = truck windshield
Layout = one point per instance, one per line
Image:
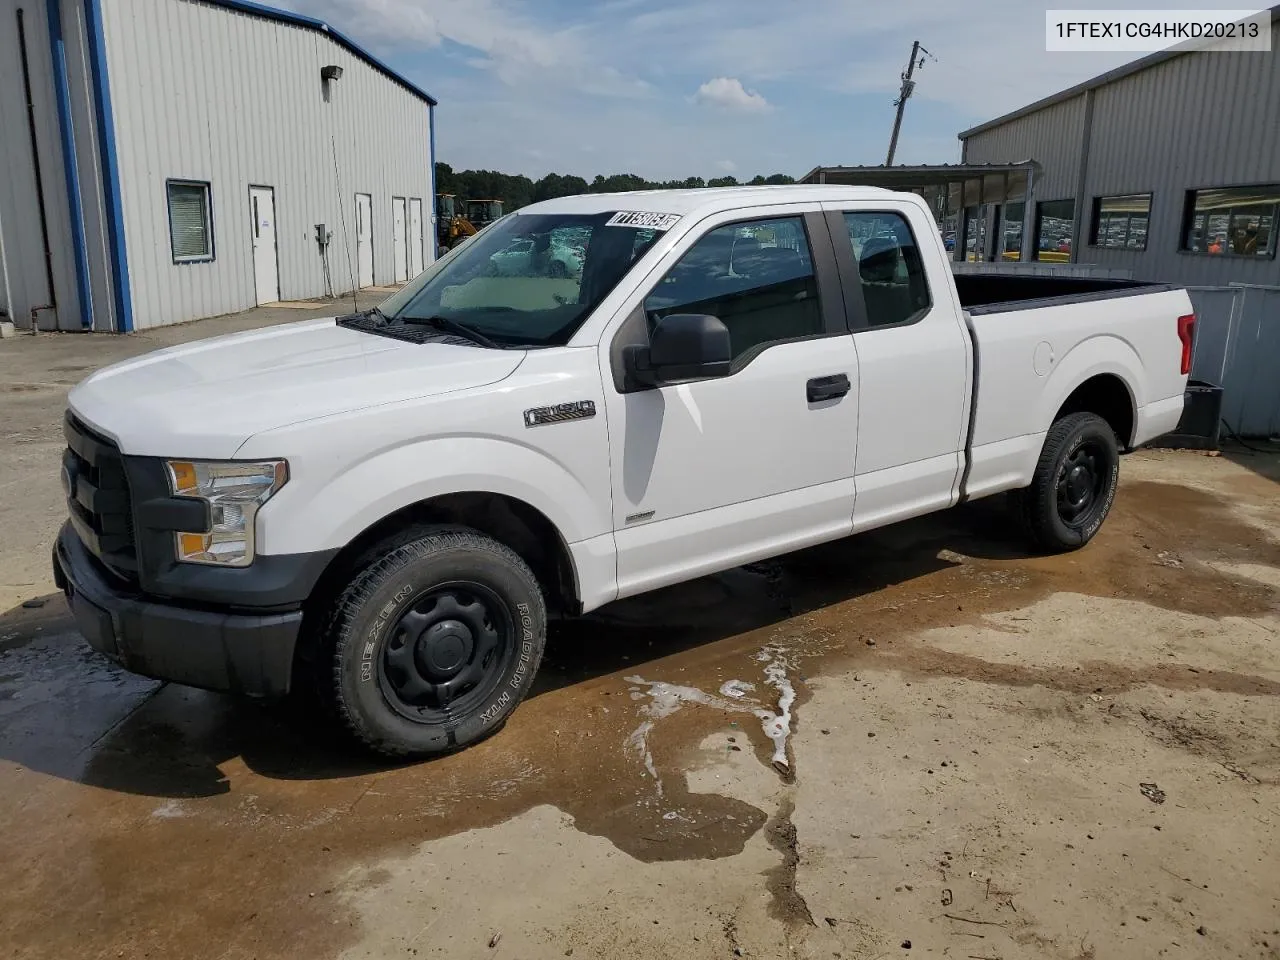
(528, 280)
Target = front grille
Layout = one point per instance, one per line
(97, 489)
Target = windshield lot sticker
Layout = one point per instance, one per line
(643, 221)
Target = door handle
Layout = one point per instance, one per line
(827, 388)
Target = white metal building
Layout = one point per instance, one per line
(167, 160)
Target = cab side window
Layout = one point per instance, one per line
(756, 277)
(894, 287)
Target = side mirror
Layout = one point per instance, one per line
(682, 346)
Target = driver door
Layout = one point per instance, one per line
(713, 473)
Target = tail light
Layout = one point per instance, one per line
(1186, 333)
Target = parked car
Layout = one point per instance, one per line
(387, 507)
(525, 258)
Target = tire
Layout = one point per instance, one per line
(1073, 486)
(433, 643)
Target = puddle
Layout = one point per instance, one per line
(667, 699)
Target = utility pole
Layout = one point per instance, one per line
(908, 87)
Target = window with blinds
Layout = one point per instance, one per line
(190, 223)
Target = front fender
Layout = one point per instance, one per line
(1103, 353)
(302, 519)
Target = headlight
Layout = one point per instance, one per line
(234, 491)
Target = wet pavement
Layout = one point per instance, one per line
(711, 761)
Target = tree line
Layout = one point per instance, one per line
(517, 190)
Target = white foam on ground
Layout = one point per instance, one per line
(736, 688)
(170, 810)
(777, 726)
(664, 699)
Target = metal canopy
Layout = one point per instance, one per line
(916, 176)
(970, 201)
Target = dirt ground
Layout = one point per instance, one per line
(991, 755)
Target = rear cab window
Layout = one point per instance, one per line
(891, 274)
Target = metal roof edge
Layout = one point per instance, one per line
(311, 23)
(1101, 80)
(906, 169)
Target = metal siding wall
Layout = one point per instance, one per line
(21, 243)
(1198, 120)
(205, 93)
(1051, 136)
(1237, 346)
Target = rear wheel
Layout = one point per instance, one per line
(434, 643)
(1074, 484)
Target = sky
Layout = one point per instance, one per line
(705, 88)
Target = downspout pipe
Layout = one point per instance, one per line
(110, 166)
(435, 226)
(66, 131)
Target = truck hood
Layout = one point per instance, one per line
(205, 399)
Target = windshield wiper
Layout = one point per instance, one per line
(453, 326)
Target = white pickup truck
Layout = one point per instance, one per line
(387, 506)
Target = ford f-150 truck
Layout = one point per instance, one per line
(386, 507)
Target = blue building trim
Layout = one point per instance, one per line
(311, 23)
(110, 165)
(66, 132)
(435, 227)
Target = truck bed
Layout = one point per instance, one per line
(998, 293)
(1041, 338)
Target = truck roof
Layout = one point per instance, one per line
(705, 201)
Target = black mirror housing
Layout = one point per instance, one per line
(682, 346)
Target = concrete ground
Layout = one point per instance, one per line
(992, 755)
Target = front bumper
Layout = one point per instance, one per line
(246, 653)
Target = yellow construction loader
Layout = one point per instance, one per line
(453, 225)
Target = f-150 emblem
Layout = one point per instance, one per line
(560, 413)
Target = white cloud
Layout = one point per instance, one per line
(828, 45)
(520, 51)
(610, 86)
(728, 93)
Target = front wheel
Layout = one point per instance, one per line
(1074, 484)
(434, 643)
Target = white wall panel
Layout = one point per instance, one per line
(206, 93)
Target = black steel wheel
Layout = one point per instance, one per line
(433, 643)
(1082, 482)
(448, 650)
(1074, 483)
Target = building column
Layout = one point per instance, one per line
(1082, 209)
(1028, 251)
